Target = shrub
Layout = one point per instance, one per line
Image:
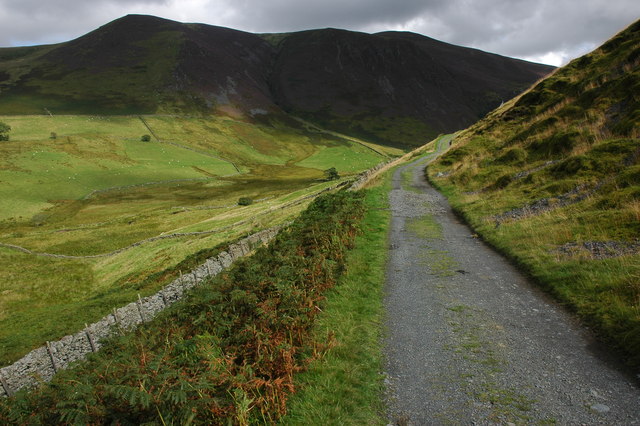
(4, 131)
(331, 174)
(245, 201)
(145, 138)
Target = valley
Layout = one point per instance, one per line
(105, 216)
(146, 146)
(145, 128)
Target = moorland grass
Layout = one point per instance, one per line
(74, 88)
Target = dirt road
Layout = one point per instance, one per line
(471, 341)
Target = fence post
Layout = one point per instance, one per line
(90, 338)
(53, 360)
(5, 385)
(139, 304)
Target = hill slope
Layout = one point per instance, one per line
(553, 179)
(395, 86)
(101, 216)
(137, 64)
(402, 88)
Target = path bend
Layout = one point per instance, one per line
(469, 340)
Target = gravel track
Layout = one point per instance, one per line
(470, 340)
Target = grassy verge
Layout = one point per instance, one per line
(344, 386)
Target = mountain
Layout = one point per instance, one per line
(139, 64)
(552, 178)
(398, 88)
(402, 86)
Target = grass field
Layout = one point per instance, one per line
(96, 188)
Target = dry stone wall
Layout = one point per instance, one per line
(364, 177)
(41, 364)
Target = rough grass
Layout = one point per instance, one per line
(344, 386)
(145, 189)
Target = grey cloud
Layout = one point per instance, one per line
(37, 21)
(527, 28)
(287, 15)
(520, 28)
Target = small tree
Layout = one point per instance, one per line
(331, 174)
(53, 135)
(145, 138)
(4, 131)
(245, 201)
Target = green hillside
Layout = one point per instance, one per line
(95, 190)
(552, 178)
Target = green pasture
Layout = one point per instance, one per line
(39, 127)
(96, 188)
(37, 174)
(347, 158)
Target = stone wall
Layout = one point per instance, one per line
(365, 176)
(41, 364)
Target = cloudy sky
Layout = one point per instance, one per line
(550, 31)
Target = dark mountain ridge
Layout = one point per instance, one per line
(399, 88)
(393, 82)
